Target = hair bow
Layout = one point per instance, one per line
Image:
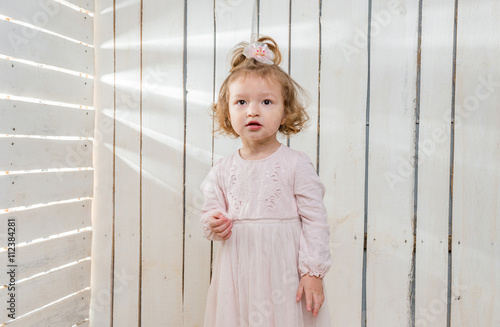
(259, 52)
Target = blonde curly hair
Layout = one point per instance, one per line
(294, 95)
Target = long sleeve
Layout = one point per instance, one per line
(314, 252)
(214, 199)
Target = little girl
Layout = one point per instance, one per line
(265, 203)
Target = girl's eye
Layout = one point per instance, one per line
(267, 102)
(241, 102)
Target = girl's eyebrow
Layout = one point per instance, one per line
(240, 95)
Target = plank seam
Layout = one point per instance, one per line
(452, 163)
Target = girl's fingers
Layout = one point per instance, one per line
(228, 236)
(225, 232)
(317, 305)
(219, 224)
(299, 293)
(309, 298)
(318, 302)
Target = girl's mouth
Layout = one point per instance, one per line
(253, 125)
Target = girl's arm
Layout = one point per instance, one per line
(314, 252)
(214, 200)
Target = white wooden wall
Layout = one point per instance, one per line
(404, 130)
(46, 174)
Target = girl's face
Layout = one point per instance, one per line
(256, 108)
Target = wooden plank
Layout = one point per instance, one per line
(42, 290)
(26, 118)
(127, 162)
(104, 201)
(391, 168)
(199, 93)
(45, 48)
(49, 220)
(27, 189)
(84, 4)
(35, 258)
(475, 289)
(274, 20)
(431, 257)
(342, 155)
(304, 68)
(162, 165)
(44, 84)
(51, 16)
(33, 153)
(61, 314)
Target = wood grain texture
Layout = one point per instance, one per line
(69, 311)
(104, 277)
(431, 271)
(27, 189)
(304, 68)
(33, 153)
(45, 48)
(88, 5)
(49, 220)
(45, 289)
(39, 257)
(162, 163)
(391, 166)
(475, 285)
(127, 159)
(45, 84)
(342, 154)
(26, 118)
(199, 95)
(51, 16)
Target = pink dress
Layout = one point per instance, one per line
(280, 233)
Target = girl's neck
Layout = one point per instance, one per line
(256, 151)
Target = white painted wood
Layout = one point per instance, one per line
(60, 314)
(26, 118)
(42, 290)
(49, 220)
(475, 299)
(127, 162)
(45, 48)
(51, 16)
(304, 68)
(39, 257)
(32, 153)
(84, 4)
(103, 202)
(162, 165)
(34, 188)
(342, 155)
(83, 324)
(390, 166)
(199, 89)
(44, 84)
(431, 272)
(274, 21)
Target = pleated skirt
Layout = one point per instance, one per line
(255, 278)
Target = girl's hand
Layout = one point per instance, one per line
(221, 226)
(313, 289)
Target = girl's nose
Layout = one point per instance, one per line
(252, 111)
